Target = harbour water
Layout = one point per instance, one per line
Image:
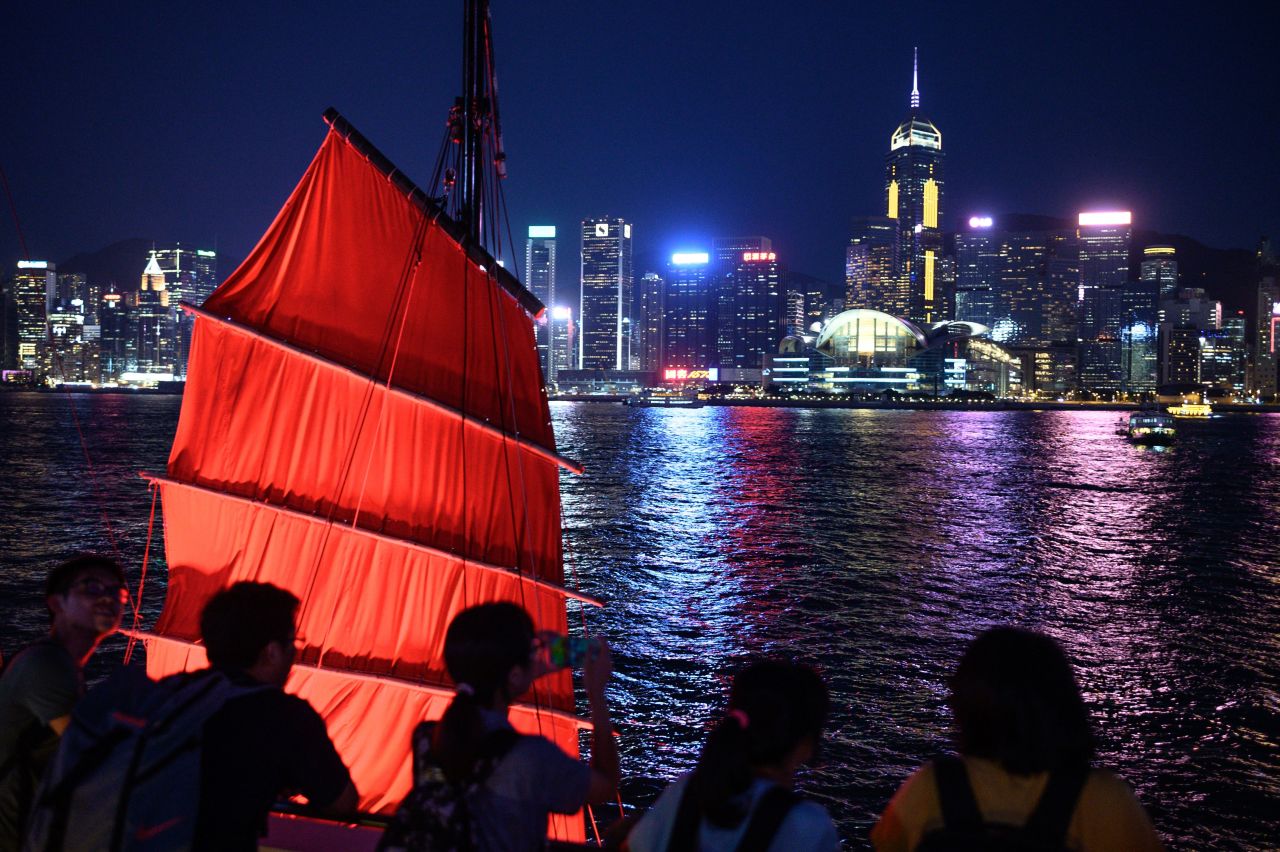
(872, 544)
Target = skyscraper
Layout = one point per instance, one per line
(758, 306)
(605, 333)
(1103, 239)
(914, 200)
(190, 275)
(155, 324)
(1160, 268)
(726, 255)
(540, 278)
(562, 352)
(34, 290)
(1266, 352)
(688, 335)
(651, 321)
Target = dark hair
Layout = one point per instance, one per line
(238, 622)
(773, 706)
(1016, 701)
(65, 574)
(481, 647)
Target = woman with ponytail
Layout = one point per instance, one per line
(740, 796)
(477, 783)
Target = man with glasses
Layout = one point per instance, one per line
(41, 685)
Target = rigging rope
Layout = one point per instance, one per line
(142, 580)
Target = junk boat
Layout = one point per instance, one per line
(365, 424)
(1150, 428)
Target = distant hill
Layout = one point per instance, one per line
(121, 264)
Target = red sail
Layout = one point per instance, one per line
(365, 425)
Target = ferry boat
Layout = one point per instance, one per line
(1191, 409)
(1150, 428)
(664, 399)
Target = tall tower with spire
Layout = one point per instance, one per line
(913, 201)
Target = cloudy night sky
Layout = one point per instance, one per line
(192, 122)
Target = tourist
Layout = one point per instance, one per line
(264, 743)
(477, 783)
(1024, 773)
(41, 685)
(741, 795)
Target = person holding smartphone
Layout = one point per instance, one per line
(477, 783)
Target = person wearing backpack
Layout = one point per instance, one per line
(740, 796)
(193, 761)
(1023, 780)
(478, 785)
(41, 685)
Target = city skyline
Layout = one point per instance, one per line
(686, 150)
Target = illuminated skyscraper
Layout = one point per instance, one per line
(726, 255)
(914, 200)
(540, 278)
(1160, 268)
(870, 268)
(1266, 352)
(118, 338)
(34, 291)
(562, 353)
(651, 320)
(190, 275)
(1103, 239)
(688, 334)
(757, 308)
(155, 324)
(605, 333)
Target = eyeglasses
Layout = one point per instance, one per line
(93, 588)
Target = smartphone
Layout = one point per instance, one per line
(569, 651)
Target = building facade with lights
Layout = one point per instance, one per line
(1103, 305)
(688, 333)
(914, 201)
(870, 267)
(34, 289)
(605, 339)
(540, 278)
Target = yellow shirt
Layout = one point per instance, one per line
(1107, 815)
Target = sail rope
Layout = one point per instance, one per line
(13, 209)
(403, 292)
(142, 580)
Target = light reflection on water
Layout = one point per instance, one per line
(873, 544)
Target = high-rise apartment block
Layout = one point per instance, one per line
(605, 327)
(914, 201)
(540, 278)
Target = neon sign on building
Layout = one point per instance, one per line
(681, 374)
(757, 256)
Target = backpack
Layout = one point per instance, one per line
(435, 815)
(964, 829)
(127, 773)
(766, 818)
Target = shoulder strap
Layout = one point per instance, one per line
(1048, 823)
(684, 830)
(959, 807)
(770, 812)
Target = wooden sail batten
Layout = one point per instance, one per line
(432, 210)
(422, 399)
(416, 685)
(392, 539)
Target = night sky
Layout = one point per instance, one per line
(192, 122)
